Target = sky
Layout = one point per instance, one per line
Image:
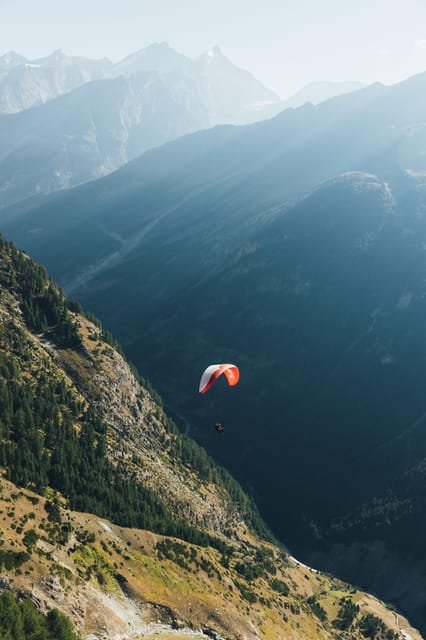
(284, 43)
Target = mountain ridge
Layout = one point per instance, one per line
(67, 120)
(107, 115)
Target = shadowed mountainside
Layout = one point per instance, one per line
(295, 247)
(80, 430)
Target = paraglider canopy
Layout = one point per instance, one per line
(212, 373)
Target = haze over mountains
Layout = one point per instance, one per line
(316, 92)
(89, 117)
(26, 83)
(295, 247)
(233, 94)
(92, 131)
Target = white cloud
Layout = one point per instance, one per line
(421, 44)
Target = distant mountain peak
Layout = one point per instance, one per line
(58, 53)
(55, 57)
(215, 52)
(11, 56)
(158, 56)
(159, 45)
(11, 59)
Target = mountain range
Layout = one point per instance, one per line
(294, 247)
(233, 93)
(26, 83)
(114, 519)
(92, 131)
(92, 116)
(68, 120)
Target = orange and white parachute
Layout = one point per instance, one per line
(212, 373)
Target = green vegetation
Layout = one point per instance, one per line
(30, 539)
(185, 557)
(246, 593)
(317, 609)
(41, 447)
(21, 621)
(12, 559)
(347, 613)
(249, 571)
(372, 627)
(43, 304)
(260, 564)
(176, 552)
(280, 587)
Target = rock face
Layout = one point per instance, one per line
(138, 430)
(92, 131)
(25, 83)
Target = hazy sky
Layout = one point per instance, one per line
(285, 43)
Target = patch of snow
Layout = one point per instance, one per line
(301, 564)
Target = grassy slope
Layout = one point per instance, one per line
(114, 579)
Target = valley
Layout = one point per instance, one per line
(307, 276)
(110, 515)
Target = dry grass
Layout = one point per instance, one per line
(119, 576)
